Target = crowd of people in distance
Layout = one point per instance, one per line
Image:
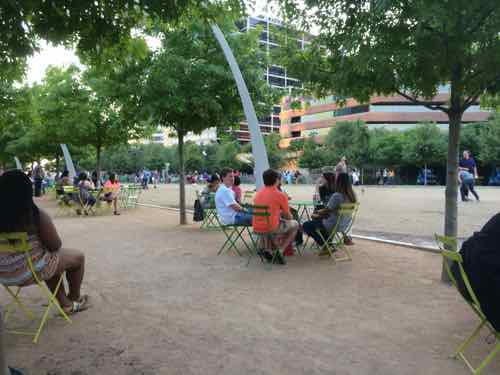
(84, 184)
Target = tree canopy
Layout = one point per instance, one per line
(410, 48)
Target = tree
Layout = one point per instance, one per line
(386, 147)
(408, 48)
(313, 155)
(424, 145)
(92, 24)
(57, 102)
(490, 141)
(112, 82)
(350, 139)
(189, 86)
(275, 154)
(16, 118)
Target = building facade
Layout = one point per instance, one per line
(275, 76)
(318, 116)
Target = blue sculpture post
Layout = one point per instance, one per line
(261, 163)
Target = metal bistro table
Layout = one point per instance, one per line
(304, 209)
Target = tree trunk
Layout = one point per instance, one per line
(98, 165)
(182, 179)
(57, 162)
(450, 220)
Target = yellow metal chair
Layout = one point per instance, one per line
(17, 243)
(449, 250)
(67, 202)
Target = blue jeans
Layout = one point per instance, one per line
(243, 218)
(311, 227)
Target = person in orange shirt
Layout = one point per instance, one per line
(111, 191)
(280, 221)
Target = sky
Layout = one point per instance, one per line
(63, 57)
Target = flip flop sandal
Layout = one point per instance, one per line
(14, 371)
(78, 306)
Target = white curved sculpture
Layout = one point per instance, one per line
(258, 147)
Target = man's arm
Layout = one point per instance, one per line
(236, 207)
(476, 175)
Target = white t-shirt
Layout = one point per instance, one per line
(224, 198)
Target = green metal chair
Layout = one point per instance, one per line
(66, 203)
(210, 221)
(264, 240)
(133, 195)
(234, 234)
(449, 251)
(334, 241)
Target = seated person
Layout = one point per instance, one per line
(237, 190)
(111, 192)
(84, 185)
(20, 214)
(212, 186)
(64, 180)
(280, 222)
(326, 219)
(481, 262)
(228, 210)
(326, 190)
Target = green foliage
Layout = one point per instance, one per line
(275, 154)
(470, 139)
(490, 141)
(424, 144)
(92, 25)
(16, 118)
(296, 145)
(386, 147)
(350, 139)
(314, 155)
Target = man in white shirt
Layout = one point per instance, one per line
(228, 210)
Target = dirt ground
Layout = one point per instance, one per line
(403, 213)
(165, 303)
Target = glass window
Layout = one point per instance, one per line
(293, 83)
(277, 81)
(276, 110)
(351, 110)
(296, 119)
(295, 134)
(276, 70)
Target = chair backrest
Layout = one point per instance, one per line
(69, 189)
(349, 210)
(261, 213)
(15, 242)
(449, 251)
(248, 196)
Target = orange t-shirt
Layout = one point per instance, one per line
(277, 202)
(112, 187)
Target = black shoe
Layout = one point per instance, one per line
(279, 259)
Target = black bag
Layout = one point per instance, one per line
(198, 214)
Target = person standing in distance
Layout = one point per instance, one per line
(467, 164)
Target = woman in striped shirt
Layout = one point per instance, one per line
(19, 213)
